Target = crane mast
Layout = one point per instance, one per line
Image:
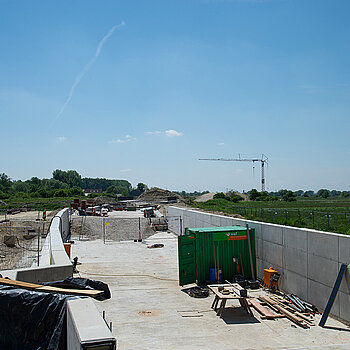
(262, 161)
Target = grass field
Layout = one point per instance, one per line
(331, 215)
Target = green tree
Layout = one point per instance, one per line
(34, 183)
(289, 196)
(323, 193)
(70, 177)
(253, 194)
(142, 187)
(60, 193)
(19, 186)
(220, 195)
(5, 182)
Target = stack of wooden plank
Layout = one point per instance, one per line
(281, 307)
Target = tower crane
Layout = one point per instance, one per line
(262, 161)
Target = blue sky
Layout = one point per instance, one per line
(181, 80)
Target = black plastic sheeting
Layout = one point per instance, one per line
(82, 283)
(31, 320)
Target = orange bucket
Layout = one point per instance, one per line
(67, 247)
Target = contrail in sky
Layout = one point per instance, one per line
(87, 67)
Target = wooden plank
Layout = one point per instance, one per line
(20, 284)
(262, 310)
(296, 319)
(40, 288)
(86, 292)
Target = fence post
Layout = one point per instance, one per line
(313, 219)
(262, 213)
(38, 244)
(104, 231)
(286, 214)
(140, 239)
(299, 215)
(345, 219)
(328, 221)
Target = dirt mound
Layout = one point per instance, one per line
(103, 200)
(205, 197)
(159, 195)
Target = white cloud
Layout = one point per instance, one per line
(125, 170)
(173, 133)
(62, 138)
(153, 132)
(117, 141)
(128, 138)
(221, 143)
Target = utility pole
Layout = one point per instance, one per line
(262, 160)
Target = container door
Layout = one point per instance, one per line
(187, 259)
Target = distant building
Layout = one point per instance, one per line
(93, 190)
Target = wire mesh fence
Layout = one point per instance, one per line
(21, 242)
(112, 228)
(332, 221)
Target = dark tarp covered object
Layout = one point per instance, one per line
(30, 320)
(81, 283)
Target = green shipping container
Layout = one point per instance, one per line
(202, 249)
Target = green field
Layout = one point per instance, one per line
(52, 203)
(332, 215)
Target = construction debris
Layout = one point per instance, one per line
(282, 306)
(157, 245)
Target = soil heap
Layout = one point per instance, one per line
(156, 194)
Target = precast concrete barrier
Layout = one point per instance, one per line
(308, 260)
(54, 263)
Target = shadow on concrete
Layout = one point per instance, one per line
(237, 315)
(337, 328)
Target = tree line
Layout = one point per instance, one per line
(65, 184)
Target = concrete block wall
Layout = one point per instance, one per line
(308, 260)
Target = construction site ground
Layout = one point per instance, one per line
(149, 310)
(24, 254)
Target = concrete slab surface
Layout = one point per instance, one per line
(149, 310)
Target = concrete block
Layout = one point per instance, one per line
(215, 221)
(344, 309)
(295, 238)
(291, 282)
(225, 221)
(272, 254)
(259, 248)
(260, 268)
(323, 244)
(272, 233)
(344, 249)
(318, 294)
(257, 228)
(295, 260)
(322, 270)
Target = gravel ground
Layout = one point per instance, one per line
(116, 228)
(24, 254)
